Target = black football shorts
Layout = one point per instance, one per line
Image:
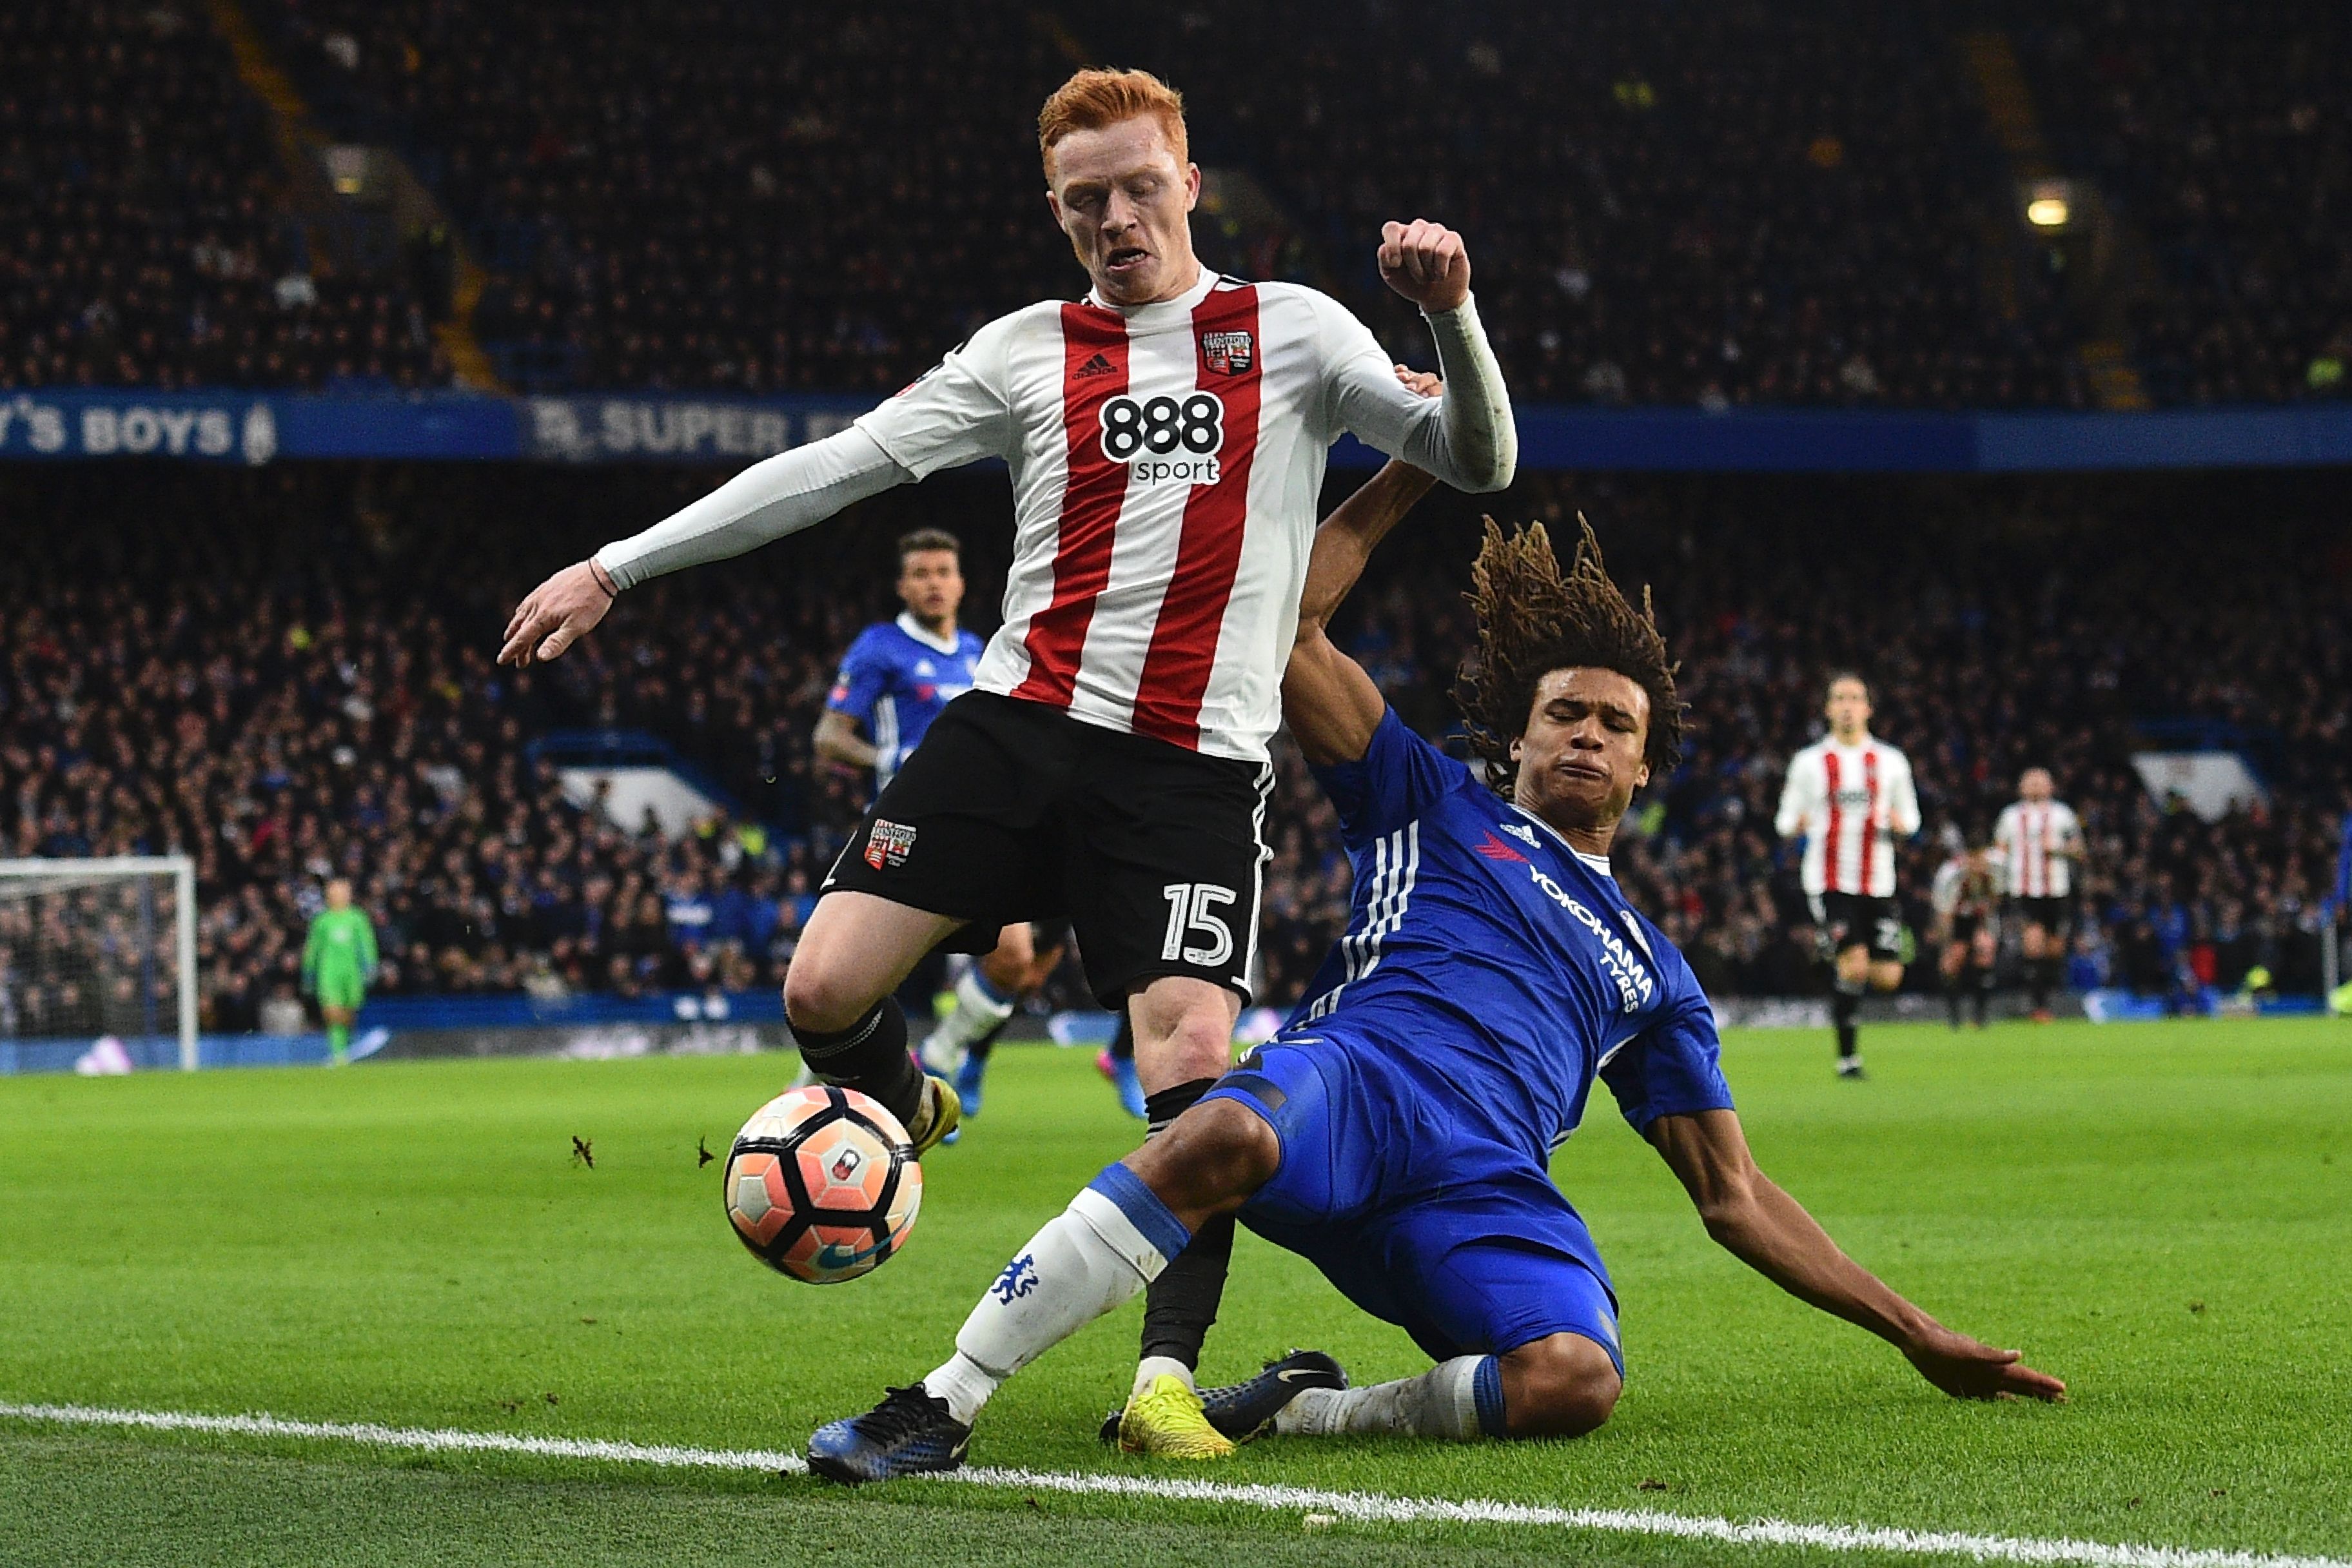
(2054, 915)
(1849, 920)
(1010, 810)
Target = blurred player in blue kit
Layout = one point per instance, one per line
(1397, 1132)
(901, 673)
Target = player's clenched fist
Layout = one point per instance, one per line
(1426, 263)
(556, 614)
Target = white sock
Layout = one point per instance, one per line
(1087, 1260)
(964, 1383)
(1441, 1402)
(977, 1010)
(1152, 1368)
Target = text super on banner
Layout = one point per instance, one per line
(675, 429)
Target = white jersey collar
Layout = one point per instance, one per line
(1592, 862)
(1182, 305)
(922, 634)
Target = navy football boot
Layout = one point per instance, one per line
(1243, 1410)
(909, 1434)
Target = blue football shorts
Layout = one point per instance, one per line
(1416, 1209)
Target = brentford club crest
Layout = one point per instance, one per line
(1228, 354)
(888, 844)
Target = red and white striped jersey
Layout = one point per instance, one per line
(1166, 463)
(1851, 803)
(2038, 841)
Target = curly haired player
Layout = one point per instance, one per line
(1397, 1132)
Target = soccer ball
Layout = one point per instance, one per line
(822, 1184)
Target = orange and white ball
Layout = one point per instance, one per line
(822, 1184)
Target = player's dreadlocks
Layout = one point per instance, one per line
(1532, 620)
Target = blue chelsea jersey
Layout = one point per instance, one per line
(1500, 964)
(895, 679)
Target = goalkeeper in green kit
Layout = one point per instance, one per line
(336, 962)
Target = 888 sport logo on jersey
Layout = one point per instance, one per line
(1165, 439)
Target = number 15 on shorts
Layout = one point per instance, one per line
(1192, 918)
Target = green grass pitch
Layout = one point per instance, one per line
(2161, 1215)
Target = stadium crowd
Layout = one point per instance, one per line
(1719, 204)
(713, 194)
(1711, 203)
(310, 693)
(2224, 132)
(145, 238)
(1738, 208)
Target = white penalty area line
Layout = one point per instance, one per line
(1368, 1507)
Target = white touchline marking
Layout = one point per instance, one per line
(446, 1440)
(1373, 1507)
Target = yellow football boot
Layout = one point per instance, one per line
(937, 1119)
(1166, 1420)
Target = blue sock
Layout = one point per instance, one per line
(1486, 1387)
(1152, 1219)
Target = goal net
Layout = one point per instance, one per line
(95, 949)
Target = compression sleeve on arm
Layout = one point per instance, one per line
(1479, 429)
(766, 501)
(1466, 438)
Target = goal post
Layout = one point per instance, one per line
(103, 945)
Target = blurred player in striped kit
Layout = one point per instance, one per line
(2039, 840)
(1850, 795)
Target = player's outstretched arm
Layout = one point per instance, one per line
(1903, 809)
(1331, 705)
(1797, 800)
(1770, 1232)
(837, 740)
(781, 495)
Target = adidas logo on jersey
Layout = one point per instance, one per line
(1523, 833)
(1099, 365)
